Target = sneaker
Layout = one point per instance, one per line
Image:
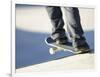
(63, 40)
(81, 45)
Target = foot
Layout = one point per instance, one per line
(63, 40)
(81, 45)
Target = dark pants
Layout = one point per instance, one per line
(73, 22)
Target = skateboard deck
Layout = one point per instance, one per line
(59, 47)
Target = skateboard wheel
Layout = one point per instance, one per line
(52, 50)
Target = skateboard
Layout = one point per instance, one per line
(60, 47)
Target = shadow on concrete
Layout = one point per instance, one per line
(31, 48)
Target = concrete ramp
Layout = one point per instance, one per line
(76, 62)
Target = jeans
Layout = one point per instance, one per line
(73, 22)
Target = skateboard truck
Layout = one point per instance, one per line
(53, 50)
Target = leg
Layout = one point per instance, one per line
(75, 28)
(55, 15)
(73, 22)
